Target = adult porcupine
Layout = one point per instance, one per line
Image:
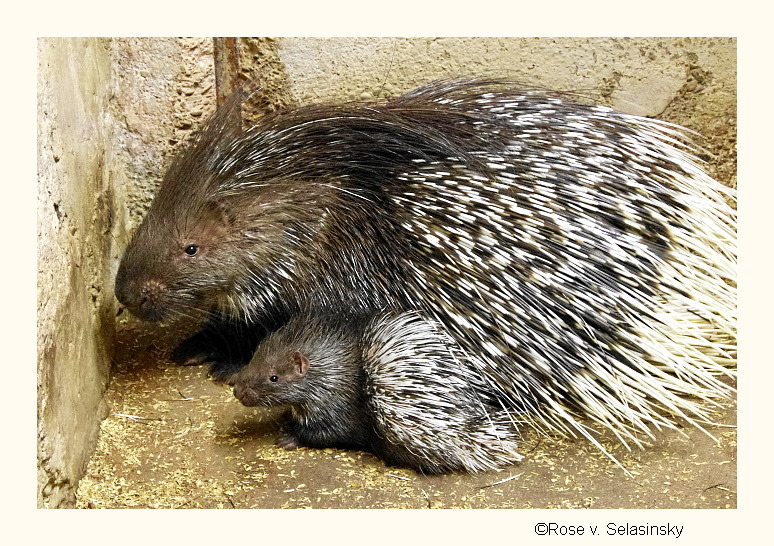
(579, 256)
(391, 384)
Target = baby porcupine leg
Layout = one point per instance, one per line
(291, 433)
(320, 434)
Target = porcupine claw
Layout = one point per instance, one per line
(287, 441)
(226, 344)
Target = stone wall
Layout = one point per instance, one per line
(690, 81)
(76, 218)
(109, 111)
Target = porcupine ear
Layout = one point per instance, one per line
(301, 363)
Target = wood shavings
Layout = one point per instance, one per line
(208, 451)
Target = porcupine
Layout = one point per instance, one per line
(580, 257)
(393, 385)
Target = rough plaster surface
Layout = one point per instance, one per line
(638, 75)
(108, 113)
(75, 221)
(164, 87)
(262, 66)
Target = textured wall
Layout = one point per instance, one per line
(164, 87)
(108, 111)
(75, 222)
(639, 75)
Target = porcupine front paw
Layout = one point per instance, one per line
(287, 441)
(194, 351)
(197, 350)
(226, 344)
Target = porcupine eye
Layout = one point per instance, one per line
(274, 379)
(191, 250)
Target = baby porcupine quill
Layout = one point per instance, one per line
(393, 385)
(580, 257)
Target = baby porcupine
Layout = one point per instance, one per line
(580, 258)
(392, 385)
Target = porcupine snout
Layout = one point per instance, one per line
(143, 299)
(245, 394)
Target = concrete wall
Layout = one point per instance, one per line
(639, 75)
(112, 111)
(108, 113)
(690, 81)
(76, 219)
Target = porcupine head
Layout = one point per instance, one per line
(212, 227)
(248, 220)
(273, 378)
(305, 366)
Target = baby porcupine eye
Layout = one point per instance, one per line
(191, 250)
(274, 379)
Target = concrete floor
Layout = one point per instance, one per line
(174, 439)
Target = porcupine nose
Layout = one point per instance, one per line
(142, 299)
(246, 395)
(150, 295)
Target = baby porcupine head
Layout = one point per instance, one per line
(268, 379)
(305, 363)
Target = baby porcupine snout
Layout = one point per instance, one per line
(245, 394)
